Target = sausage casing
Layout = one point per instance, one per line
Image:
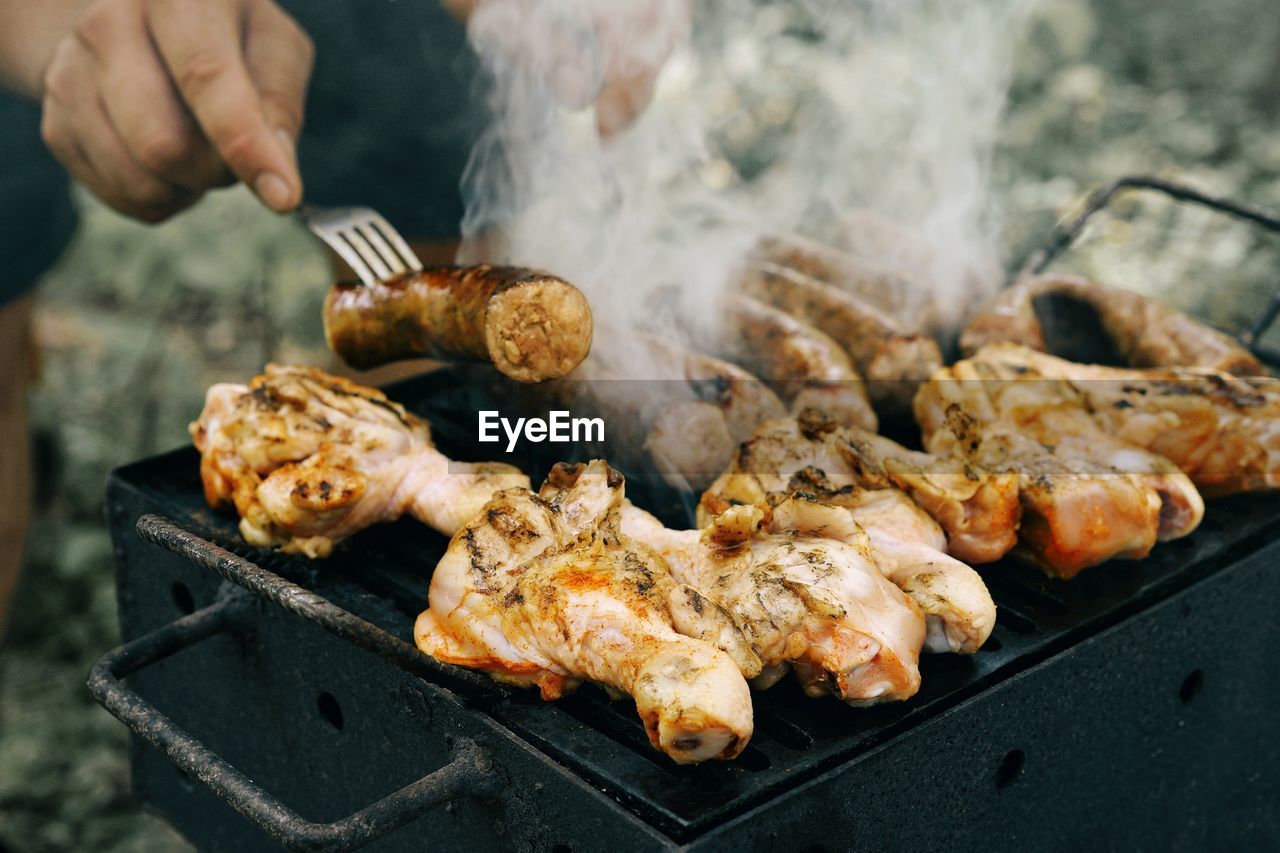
(529, 324)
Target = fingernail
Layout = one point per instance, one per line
(273, 190)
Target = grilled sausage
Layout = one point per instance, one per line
(891, 265)
(893, 362)
(690, 441)
(740, 395)
(686, 441)
(530, 325)
(1142, 331)
(893, 284)
(807, 367)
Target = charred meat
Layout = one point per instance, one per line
(530, 325)
(307, 459)
(542, 590)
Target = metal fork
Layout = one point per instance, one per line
(365, 240)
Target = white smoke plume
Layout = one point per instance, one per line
(867, 125)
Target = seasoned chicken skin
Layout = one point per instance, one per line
(1086, 497)
(907, 545)
(1221, 430)
(1076, 513)
(808, 458)
(803, 600)
(978, 509)
(307, 459)
(540, 589)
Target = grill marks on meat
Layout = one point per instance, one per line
(978, 509)
(691, 440)
(803, 600)
(846, 485)
(1086, 496)
(1144, 332)
(307, 459)
(530, 325)
(542, 590)
(1221, 430)
(808, 367)
(592, 595)
(892, 361)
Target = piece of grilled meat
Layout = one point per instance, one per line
(976, 508)
(1223, 431)
(528, 324)
(806, 366)
(805, 600)
(1086, 497)
(906, 544)
(307, 459)
(691, 439)
(1142, 331)
(808, 459)
(542, 590)
(892, 361)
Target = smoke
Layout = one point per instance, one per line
(892, 140)
(866, 125)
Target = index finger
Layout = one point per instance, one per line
(200, 42)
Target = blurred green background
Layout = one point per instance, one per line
(136, 322)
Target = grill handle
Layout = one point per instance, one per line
(309, 605)
(468, 774)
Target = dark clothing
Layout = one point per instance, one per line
(392, 113)
(36, 214)
(394, 109)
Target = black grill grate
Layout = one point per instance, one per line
(796, 738)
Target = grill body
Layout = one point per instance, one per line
(1132, 708)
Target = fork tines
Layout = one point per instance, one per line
(365, 240)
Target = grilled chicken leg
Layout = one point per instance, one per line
(809, 458)
(539, 589)
(977, 509)
(803, 600)
(307, 459)
(907, 545)
(1086, 497)
(1221, 430)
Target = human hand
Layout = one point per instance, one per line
(603, 52)
(149, 103)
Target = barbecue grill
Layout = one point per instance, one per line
(275, 699)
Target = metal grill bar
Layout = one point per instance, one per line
(468, 774)
(307, 604)
(1065, 234)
